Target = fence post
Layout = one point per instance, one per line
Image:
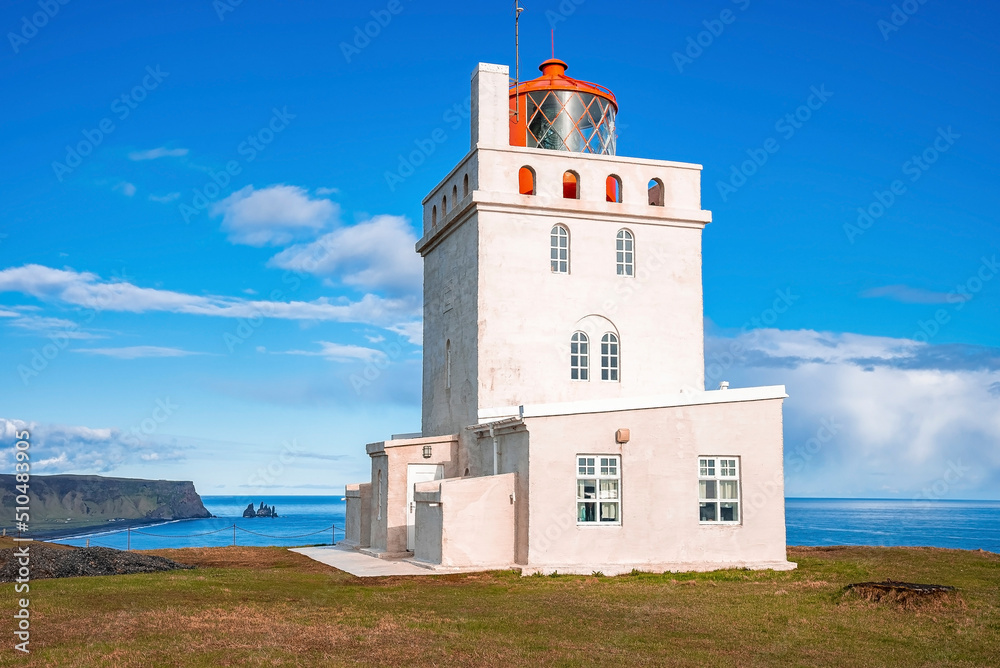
(333, 535)
(128, 539)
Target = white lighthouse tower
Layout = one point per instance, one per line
(566, 425)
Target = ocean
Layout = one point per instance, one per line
(308, 520)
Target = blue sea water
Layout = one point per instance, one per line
(305, 520)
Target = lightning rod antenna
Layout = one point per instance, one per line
(517, 60)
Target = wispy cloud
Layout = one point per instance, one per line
(337, 352)
(377, 254)
(88, 290)
(327, 191)
(161, 152)
(165, 199)
(126, 188)
(137, 352)
(274, 216)
(909, 295)
(52, 327)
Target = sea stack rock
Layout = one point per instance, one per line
(249, 512)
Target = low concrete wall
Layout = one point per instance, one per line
(467, 522)
(358, 521)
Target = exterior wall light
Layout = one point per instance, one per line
(427, 452)
(622, 436)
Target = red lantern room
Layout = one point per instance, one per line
(560, 113)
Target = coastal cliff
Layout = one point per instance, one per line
(70, 502)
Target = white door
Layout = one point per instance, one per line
(417, 473)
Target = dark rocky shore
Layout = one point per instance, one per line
(57, 562)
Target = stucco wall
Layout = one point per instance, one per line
(659, 490)
(473, 525)
(357, 522)
(388, 533)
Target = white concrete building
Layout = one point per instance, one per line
(566, 426)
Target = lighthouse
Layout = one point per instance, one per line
(565, 422)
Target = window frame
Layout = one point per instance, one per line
(611, 361)
(559, 252)
(598, 468)
(579, 357)
(718, 469)
(625, 253)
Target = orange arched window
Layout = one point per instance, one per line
(656, 192)
(614, 189)
(526, 181)
(571, 185)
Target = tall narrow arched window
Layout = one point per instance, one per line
(625, 248)
(378, 496)
(444, 206)
(609, 357)
(614, 188)
(656, 192)
(454, 194)
(434, 215)
(571, 185)
(526, 181)
(465, 186)
(559, 250)
(579, 357)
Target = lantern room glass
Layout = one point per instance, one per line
(563, 120)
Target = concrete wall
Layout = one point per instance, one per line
(388, 533)
(659, 490)
(472, 525)
(358, 520)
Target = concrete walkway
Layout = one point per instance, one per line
(350, 560)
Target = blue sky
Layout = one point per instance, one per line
(160, 293)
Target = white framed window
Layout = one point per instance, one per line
(625, 247)
(579, 356)
(719, 490)
(559, 245)
(609, 357)
(598, 489)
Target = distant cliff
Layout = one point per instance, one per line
(82, 501)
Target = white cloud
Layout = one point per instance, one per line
(52, 327)
(89, 291)
(126, 188)
(338, 352)
(908, 295)
(9, 314)
(76, 449)
(377, 254)
(274, 216)
(166, 199)
(137, 352)
(903, 413)
(161, 152)
(411, 331)
(327, 191)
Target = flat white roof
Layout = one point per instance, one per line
(685, 398)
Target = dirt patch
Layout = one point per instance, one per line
(49, 562)
(906, 595)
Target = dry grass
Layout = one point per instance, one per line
(268, 606)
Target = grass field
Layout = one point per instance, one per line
(267, 607)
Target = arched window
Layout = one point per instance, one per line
(434, 215)
(559, 245)
(609, 357)
(444, 206)
(656, 192)
(465, 186)
(526, 181)
(454, 195)
(625, 247)
(579, 357)
(378, 496)
(614, 187)
(571, 185)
